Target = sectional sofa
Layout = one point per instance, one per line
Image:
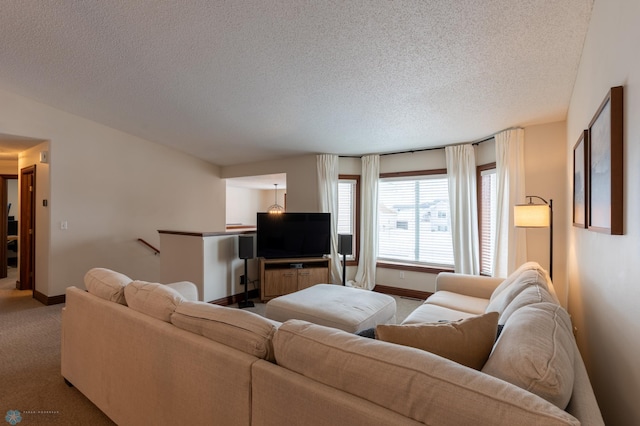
(148, 353)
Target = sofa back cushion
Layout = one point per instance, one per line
(527, 275)
(414, 383)
(153, 299)
(242, 330)
(529, 295)
(187, 289)
(107, 284)
(535, 351)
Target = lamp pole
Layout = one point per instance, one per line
(551, 239)
(525, 216)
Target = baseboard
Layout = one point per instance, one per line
(48, 300)
(233, 299)
(402, 292)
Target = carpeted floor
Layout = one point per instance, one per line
(30, 369)
(30, 380)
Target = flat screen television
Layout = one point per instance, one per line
(290, 235)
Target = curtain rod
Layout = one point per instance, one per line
(411, 151)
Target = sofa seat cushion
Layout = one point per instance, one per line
(459, 302)
(107, 284)
(535, 351)
(428, 312)
(527, 275)
(242, 330)
(153, 299)
(414, 383)
(467, 342)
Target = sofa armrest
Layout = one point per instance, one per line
(470, 285)
(187, 289)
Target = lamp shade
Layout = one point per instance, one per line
(531, 216)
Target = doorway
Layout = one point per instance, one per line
(27, 228)
(8, 229)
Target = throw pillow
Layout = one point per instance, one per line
(153, 299)
(535, 352)
(467, 342)
(107, 284)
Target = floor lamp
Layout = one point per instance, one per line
(245, 251)
(345, 247)
(532, 215)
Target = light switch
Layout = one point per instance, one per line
(64, 225)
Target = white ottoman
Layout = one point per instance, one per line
(349, 309)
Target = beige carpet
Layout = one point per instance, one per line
(30, 379)
(30, 369)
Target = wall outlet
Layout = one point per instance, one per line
(402, 275)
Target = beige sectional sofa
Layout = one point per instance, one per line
(146, 354)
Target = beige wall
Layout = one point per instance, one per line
(244, 203)
(545, 176)
(545, 165)
(603, 270)
(8, 167)
(302, 182)
(111, 188)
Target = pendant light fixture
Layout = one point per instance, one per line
(276, 208)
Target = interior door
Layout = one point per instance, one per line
(27, 228)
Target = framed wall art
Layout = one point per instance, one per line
(605, 174)
(580, 179)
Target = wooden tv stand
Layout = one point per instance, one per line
(284, 276)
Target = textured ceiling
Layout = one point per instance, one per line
(240, 81)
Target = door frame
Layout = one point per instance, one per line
(27, 233)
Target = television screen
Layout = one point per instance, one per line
(293, 235)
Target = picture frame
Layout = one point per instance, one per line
(605, 171)
(580, 180)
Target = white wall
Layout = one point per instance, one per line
(111, 188)
(603, 270)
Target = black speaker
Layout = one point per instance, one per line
(345, 244)
(245, 246)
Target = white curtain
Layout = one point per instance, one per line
(327, 168)
(510, 245)
(366, 274)
(463, 201)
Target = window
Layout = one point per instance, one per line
(487, 216)
(348, 208)
(413, 219)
